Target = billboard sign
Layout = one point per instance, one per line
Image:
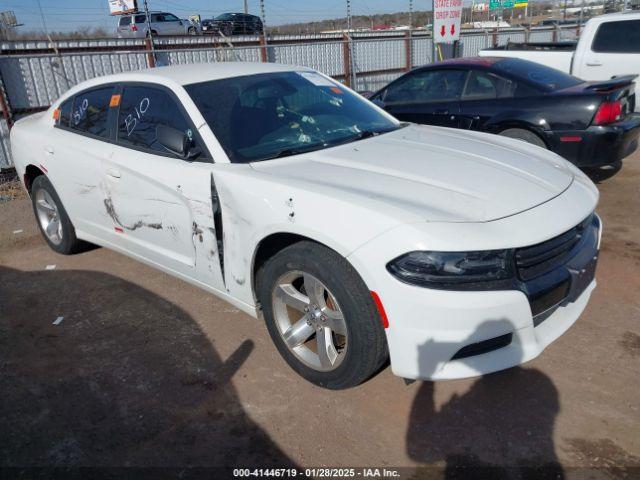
(8, 19)
(446, 23)
(120, 7)
(521, 4)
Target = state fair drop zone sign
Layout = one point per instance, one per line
(446, 23)
(120, 7)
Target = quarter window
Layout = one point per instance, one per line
(618, 37)
(484, 85)
(65, 113)
(428, 86)
(142, 109)
(90, 112)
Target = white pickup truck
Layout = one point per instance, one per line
(609, 46)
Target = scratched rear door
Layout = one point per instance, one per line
(159, 204)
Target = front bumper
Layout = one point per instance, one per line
(597, 146)
(434, 334)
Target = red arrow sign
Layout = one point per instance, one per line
(443, 31)
(453, 29)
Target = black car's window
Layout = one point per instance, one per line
(90, 112)
(546, 78)
(271, 115)
(64, 117)
(140, 19)
(426, 86)
(142, 109)
(618, 37)
(481, 85)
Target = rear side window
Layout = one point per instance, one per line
(90, 112)
(618, 37)
(124, 21)
(140, 18)
(142, 109)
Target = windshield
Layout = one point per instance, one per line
(547, 78)
(225, 16)
(271, 115)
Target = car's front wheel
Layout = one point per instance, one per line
(321, 316)
(53, 221)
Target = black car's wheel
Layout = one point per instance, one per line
(227, 30)
(321, 316)
(53, 221)
(524, 135)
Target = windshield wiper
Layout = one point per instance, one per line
(361, 135)
(287, 152)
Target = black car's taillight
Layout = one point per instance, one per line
(608, 112)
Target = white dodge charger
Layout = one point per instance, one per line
(358, 238)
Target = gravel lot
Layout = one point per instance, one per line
(146, 370)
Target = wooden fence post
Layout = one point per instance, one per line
(263, 48)
(407, 50)
(5, 105)
(151, 58)
(346, 54)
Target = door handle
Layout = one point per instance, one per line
(113, 172)
(49, 150)
(442, 112)
(594, 63)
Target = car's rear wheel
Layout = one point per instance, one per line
(53, 221)
(524, 135)
(192, 31)
(321, 316)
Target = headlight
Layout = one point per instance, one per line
(454, 270)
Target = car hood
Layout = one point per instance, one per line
(429, 173)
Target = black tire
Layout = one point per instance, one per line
(69, 243)
(524, 135)
(367, 347)
(192, 31)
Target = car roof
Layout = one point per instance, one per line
(187, 74)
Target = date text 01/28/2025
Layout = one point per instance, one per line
(316, 472)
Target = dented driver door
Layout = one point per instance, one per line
(158, 204)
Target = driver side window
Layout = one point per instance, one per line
(142, 109)
(427, 86)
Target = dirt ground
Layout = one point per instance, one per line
(146, 370)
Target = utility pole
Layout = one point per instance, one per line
(246, 7)
(348, 15)
(410, 15)
(264, 22)
(153, 48)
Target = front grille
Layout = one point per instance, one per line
(536, 260)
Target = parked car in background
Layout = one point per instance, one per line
(162, 23)
(229, 24)
(590, 124)
(609, 46)
(357, 236)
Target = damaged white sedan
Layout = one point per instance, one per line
(359, 238)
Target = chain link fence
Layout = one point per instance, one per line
(35, 73)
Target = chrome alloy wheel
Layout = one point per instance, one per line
(310, 320)
(49, 216)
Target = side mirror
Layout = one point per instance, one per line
(177, 142)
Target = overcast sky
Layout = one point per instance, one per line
(70, 14)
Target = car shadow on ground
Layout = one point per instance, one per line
(125, 379)
(501, 427)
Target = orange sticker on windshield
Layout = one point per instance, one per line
(115, 101)
(336, 90)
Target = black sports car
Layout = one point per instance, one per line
(591, 124)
